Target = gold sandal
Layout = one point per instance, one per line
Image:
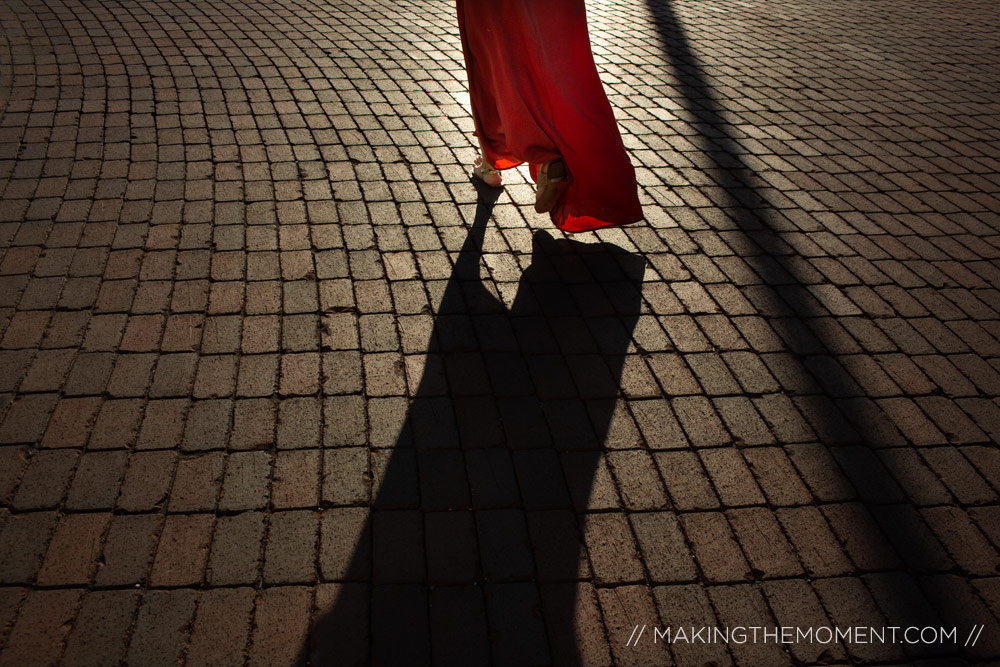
(550, 176)
(482, 170)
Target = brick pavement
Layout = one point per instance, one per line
(280, 385)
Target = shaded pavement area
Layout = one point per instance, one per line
(281, 385)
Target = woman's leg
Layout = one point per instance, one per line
(536, 97)
(504, 96)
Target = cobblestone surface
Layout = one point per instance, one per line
(279, 385)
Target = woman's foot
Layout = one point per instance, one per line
(550, 176)
(487, 174)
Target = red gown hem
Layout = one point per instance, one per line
(536, 94)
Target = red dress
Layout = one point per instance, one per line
(536, 96)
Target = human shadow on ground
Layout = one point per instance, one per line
(470, 551)
(910, 575)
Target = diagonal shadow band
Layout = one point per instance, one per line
(472, 550)
(840, 422)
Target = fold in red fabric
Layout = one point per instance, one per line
(536, 95)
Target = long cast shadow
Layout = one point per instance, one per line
(476, 520)
(838, 423)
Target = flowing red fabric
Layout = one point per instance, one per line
(536, 96)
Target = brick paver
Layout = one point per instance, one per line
(279, 384)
